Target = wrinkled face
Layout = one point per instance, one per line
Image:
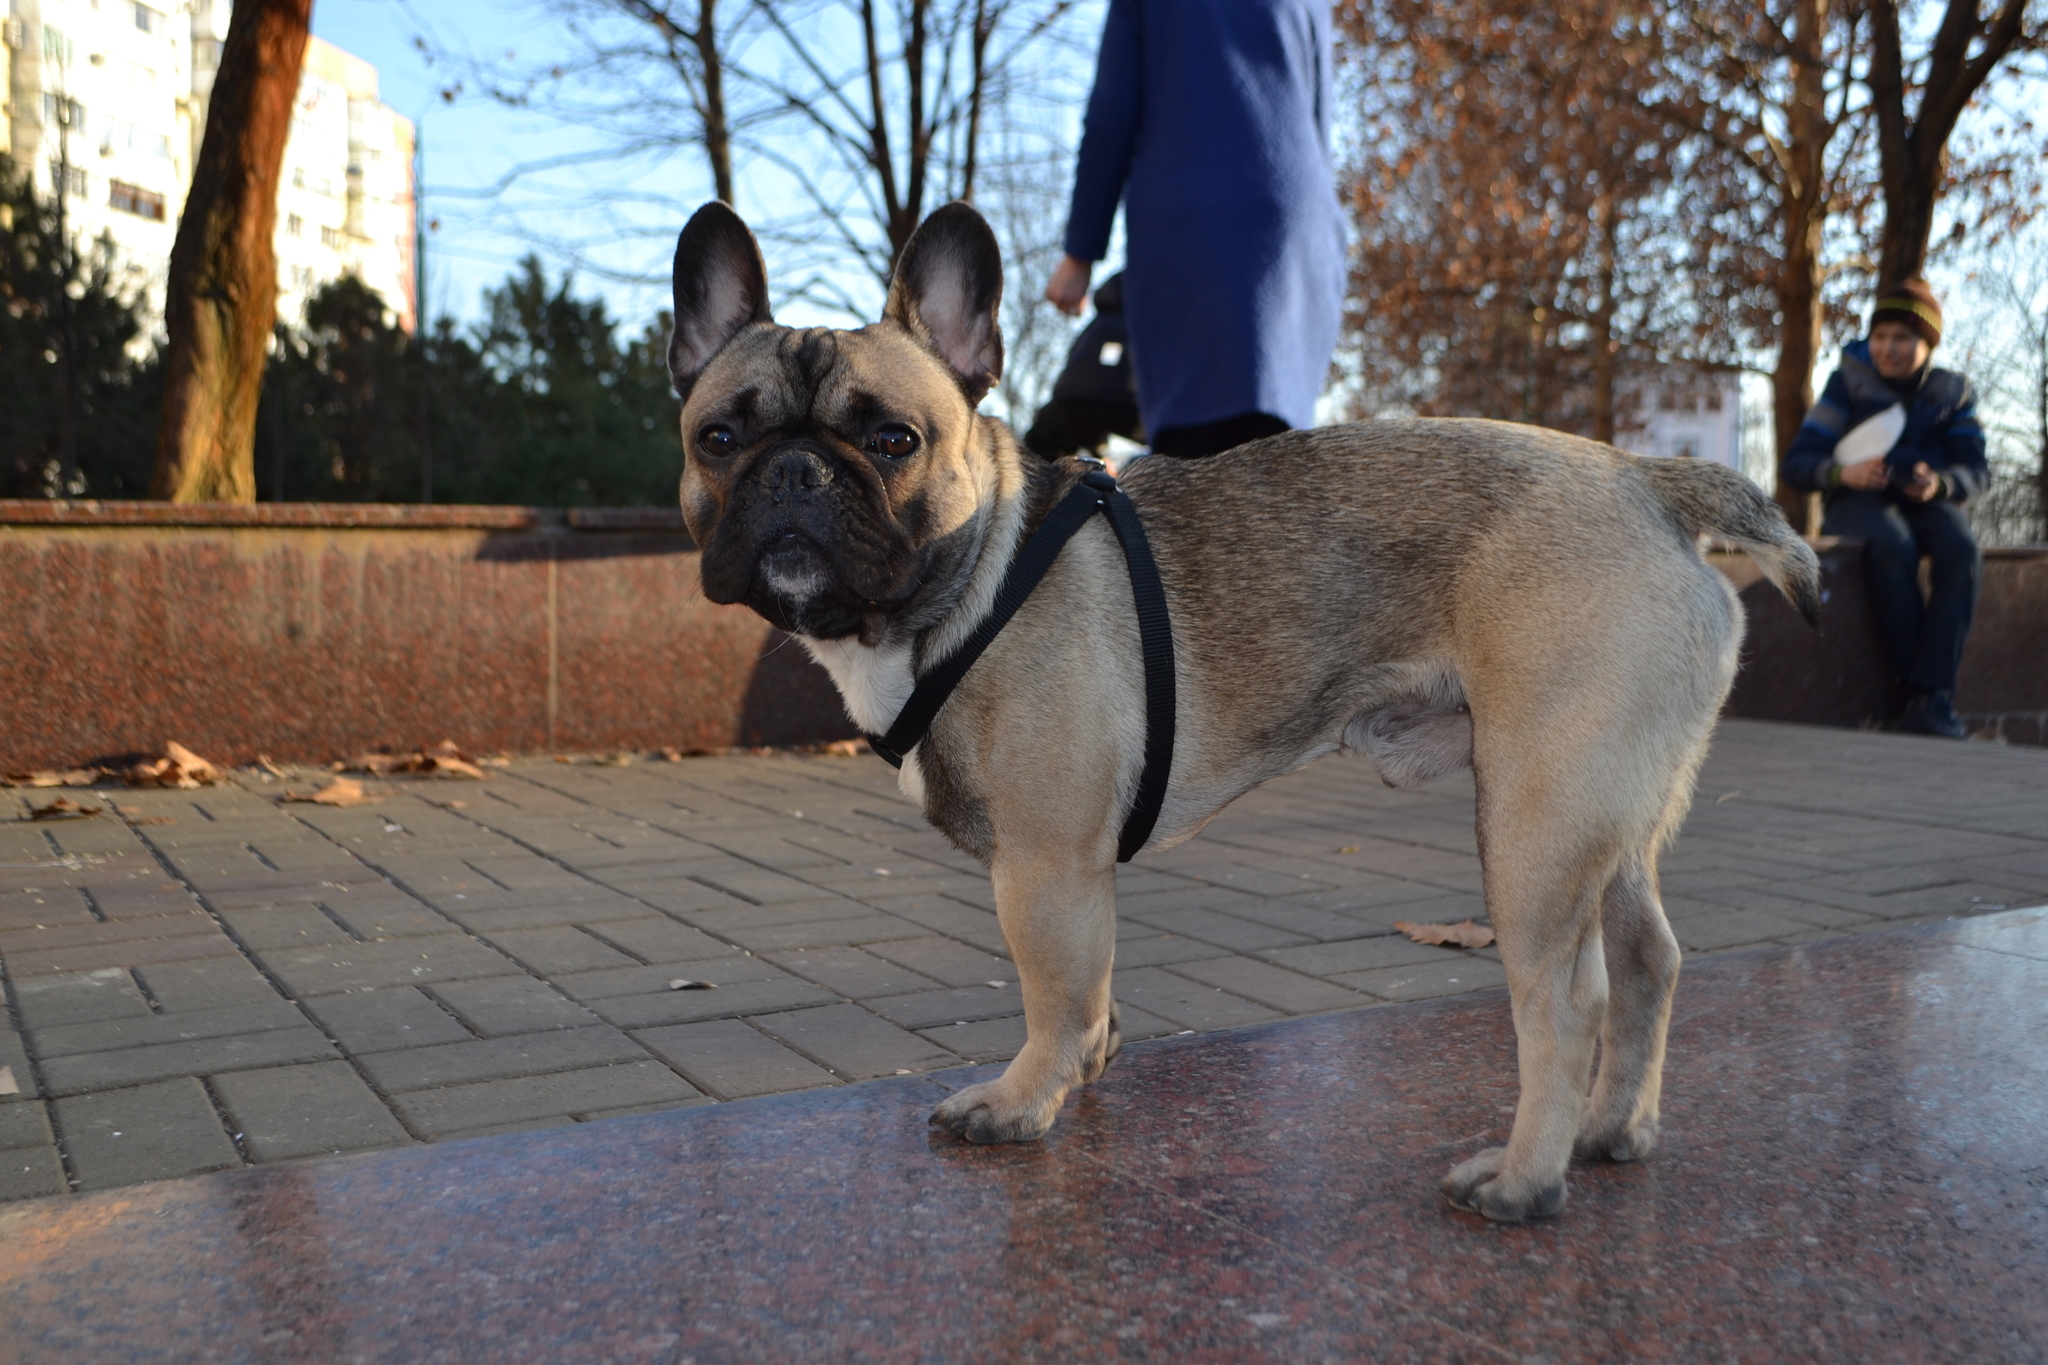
(837, 482)
(831, 478)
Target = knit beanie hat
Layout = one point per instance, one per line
(1910, 302)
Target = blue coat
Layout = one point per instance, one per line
(1210, 120)
(1941, 426)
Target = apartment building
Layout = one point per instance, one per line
(109, 98)
(1683, 412)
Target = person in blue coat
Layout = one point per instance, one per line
(1210, 121)
(1906, 501)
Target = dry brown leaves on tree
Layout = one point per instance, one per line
(1464, 934)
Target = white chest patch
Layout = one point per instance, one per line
(874, 683)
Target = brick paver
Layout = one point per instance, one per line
(229, 979)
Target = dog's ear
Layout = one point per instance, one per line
(948, 287)
(721, 286)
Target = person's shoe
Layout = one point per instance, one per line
(1932, 713)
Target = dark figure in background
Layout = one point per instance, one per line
(1210, 120)
(1094, 398)
(1907, 501)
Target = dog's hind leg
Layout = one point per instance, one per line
(1059, 920)
(1620, 1121)
(1549, 847)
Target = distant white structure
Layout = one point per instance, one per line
(1678, 411)
(110, 96)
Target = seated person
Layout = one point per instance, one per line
(1905, 501)
(1094, 398)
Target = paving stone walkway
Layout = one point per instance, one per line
(217, 978)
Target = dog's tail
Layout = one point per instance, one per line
(1705, 498)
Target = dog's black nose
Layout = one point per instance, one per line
(795, 474)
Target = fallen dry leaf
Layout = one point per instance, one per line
(844, 748)
(53, 777)
(1464, 934)
(264, 762)
(151, 820)
(342, 791)
(684, 984)
(63, 808)
(445, 759)
(8, 1085)
(193, 766)
(178, 767)
(1349, 848)
(458, 805)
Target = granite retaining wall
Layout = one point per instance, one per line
(311, 631)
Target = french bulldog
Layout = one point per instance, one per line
(1429, 593)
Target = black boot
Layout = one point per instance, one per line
(1932, 713)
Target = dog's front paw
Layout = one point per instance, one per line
(992, 1112)
(1621, 1143)
(1479, 1186)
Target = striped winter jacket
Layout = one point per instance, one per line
(1941, 426)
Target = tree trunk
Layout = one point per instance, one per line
(1604, 346)
(1804, 181)
(221, 300)
(1912, 153)
(977, 72)
(717, 135)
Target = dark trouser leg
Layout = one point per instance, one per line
(1891, 562)
(1067, 425)
(1943, 534)
(1211, 437)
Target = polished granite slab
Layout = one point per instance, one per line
(1854, 1168)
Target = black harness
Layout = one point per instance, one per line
(1097, 492)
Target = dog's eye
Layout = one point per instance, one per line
(892, 441)
(717, 441)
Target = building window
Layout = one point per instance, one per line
(136, 200)
(121, 136)
(63, 113)
(56, 47)
(73, 179)
(294, 225)
(330, 238)
(148, 20)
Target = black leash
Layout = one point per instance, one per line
(1097, 492)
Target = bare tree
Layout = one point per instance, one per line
(221, 300)
(884, 107)
(1967, 48)
(2000, 332)
(840, 123)
(650, 77)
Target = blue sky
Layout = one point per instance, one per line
(613, 221)
(468, 143)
